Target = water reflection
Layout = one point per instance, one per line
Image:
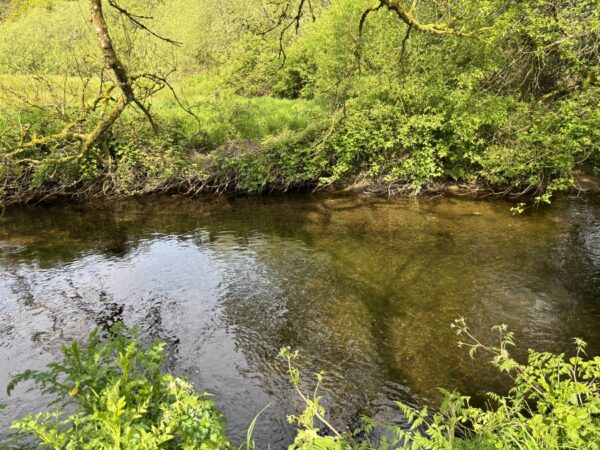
(364, 288)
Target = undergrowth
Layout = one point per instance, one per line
(112, 392)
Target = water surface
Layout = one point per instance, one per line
(365, 288)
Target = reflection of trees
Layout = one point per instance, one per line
(357, 301)
(366, 289)
(52, 234)
(372, 296)
(579, 252)
(388, 293)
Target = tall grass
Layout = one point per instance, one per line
(218, 112)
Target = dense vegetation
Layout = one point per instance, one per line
(102, 97)
(122, 400)
(498, 96)
(112, 393)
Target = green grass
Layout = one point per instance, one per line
(49, 91)
(220, 113)
(223, 114)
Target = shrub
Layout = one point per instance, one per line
(112, 394)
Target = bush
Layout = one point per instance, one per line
(112, 394)
(118, 398)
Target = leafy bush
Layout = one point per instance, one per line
(281, 161)
(112, 394)
(511, 111)
(117, 397)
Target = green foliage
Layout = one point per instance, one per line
(554, 404)
(112, 394)
(282, 161)
(232, 143)
(308, 436)
(511, 109)
(52, 38)
(382, 142)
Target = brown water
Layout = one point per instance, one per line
(366, 289)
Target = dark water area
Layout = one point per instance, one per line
(364, 288)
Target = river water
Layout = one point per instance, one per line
(364, 288)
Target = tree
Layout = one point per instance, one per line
(116, 92)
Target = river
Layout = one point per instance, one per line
(365, 288)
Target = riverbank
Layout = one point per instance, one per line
(107, 188)
(254, 145)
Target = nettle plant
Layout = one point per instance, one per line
(110, 393)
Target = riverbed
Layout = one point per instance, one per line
(365, 288)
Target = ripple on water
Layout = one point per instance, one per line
(365, 288)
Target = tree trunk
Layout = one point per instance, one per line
(112, 61)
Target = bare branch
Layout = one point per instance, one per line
(136, 20)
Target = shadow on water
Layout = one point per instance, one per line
(365, 288)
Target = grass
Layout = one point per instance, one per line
(48, 91)
(220, 113)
